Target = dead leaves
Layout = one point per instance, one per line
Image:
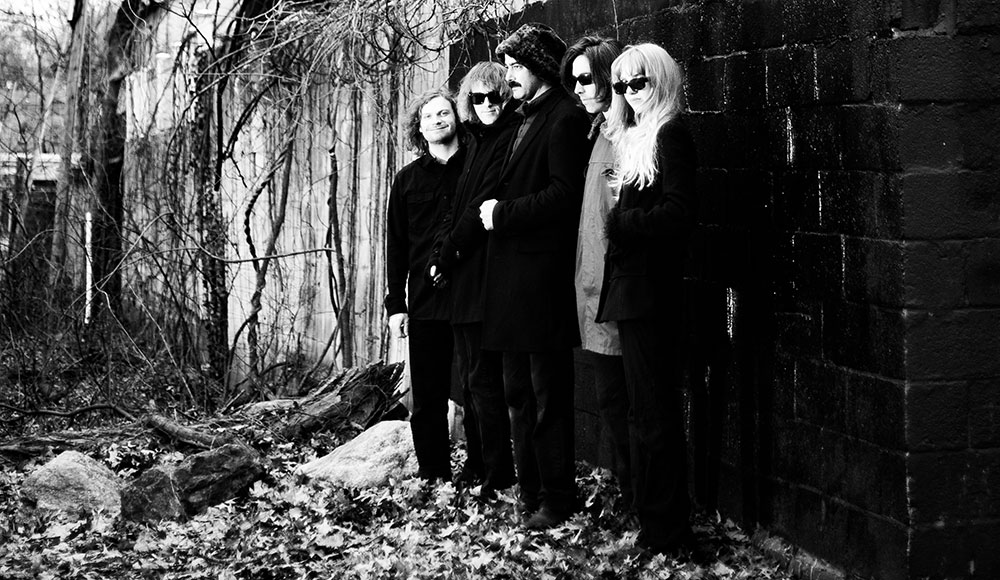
(291, 529)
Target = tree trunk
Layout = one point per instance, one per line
(208, 183)
(131, 17)
(339, 283)
(277, 223)
(70, 142)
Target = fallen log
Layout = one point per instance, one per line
(354, 400)
(178, 432)
(54, 443)
(357, 398)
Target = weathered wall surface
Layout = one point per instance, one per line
(347, 144)
(845, 280)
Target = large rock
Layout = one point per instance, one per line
(153, 496)
(368, 460)
(75, 484)
(200, 481)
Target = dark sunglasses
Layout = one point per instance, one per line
(585, 79)
(493, 96)
(636, 84)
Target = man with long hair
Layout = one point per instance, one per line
(586, 70)
(419, 197)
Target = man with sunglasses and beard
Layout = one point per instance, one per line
(529, 296)
(458, 264)
(420, 195)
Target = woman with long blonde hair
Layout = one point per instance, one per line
(647, 231)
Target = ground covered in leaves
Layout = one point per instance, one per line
(289, 528)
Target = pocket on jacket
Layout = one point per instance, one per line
(420, 210)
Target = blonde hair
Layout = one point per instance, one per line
(490, 74)
(634, 134)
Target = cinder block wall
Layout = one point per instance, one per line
(845, 279)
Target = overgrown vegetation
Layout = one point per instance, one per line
(216, 185)
(289, 528)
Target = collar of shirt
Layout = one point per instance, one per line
(528, 108)
(427, 160)
(595, 125)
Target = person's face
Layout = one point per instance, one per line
(585, 87)
(437, 121)
(489, 105)
(638, 90)
(523, 83)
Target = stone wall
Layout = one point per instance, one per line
(845, 279)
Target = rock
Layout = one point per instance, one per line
(212, 477)
(201, 480)
(368, 460)
(75, 484)
(153, 496)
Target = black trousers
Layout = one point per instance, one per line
(612, 405)
(539, 392)
(653, 375)
(431, 350)
(487, 422)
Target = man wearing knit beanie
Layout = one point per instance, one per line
(529, 301)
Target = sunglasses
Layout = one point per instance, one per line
(480, 98)
(584, 79)
(636, 84)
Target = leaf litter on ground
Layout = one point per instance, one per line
(291, 528)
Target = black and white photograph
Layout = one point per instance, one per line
(500, 289)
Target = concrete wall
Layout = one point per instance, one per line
(845, 279)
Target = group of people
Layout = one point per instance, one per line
(549, 209)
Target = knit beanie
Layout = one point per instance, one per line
(537, 47)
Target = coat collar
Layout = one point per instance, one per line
(540, 110)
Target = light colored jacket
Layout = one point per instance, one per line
(599, 337)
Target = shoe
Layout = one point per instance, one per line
(469, 476)
(546, 518)
(528, 505)
(488, 491)
(487, 494)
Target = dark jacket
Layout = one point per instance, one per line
(460, 250)
(648, 231)
(529, 297)
(421, 194)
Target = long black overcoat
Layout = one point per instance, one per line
(461, 245)
(529, 298)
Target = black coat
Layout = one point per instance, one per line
(648, 231)
(529, 297)
(460, 250)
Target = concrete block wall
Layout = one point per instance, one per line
(844, 360)
(944, 72)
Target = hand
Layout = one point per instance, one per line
(399, 325)
(486, 213)
(437, 277)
